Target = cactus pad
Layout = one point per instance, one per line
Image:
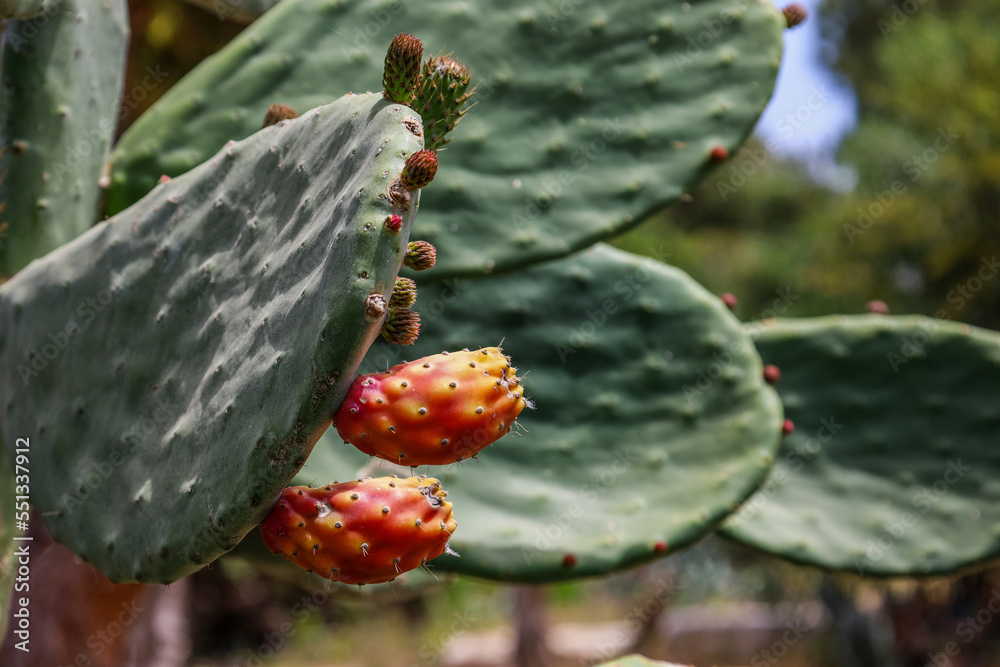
(26, 9)
(652, 419)
(62, 79)
(586, 118)
(894, 464)
(177, 363)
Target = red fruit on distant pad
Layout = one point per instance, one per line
(433, 411)
(361, 532)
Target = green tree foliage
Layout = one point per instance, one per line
(919, 230)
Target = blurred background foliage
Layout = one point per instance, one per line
(918, 229)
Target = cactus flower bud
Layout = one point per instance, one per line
(404, 294)
(420, 255)
(795, 14)
(402, 69)
(420, 169)
(402, 326)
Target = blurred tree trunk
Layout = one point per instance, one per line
(531, 622)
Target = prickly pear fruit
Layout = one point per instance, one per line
(433, 411)
(362, 532)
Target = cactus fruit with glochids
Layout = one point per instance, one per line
(254, 232)
(364, 532)
(434, 410)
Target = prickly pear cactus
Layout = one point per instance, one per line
(177, 363)
(62, 79)
(587, 118)
(893, 467)
(653, 420)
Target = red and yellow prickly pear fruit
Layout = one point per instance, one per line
(433, 411)
(364, 532)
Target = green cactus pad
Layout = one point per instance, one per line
(62, 79)
(586, 118)
(27, 9)
(240, 11)
(175, 365)
(652, 423)
(894, 465)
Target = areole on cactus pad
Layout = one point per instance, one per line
(586, 118)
